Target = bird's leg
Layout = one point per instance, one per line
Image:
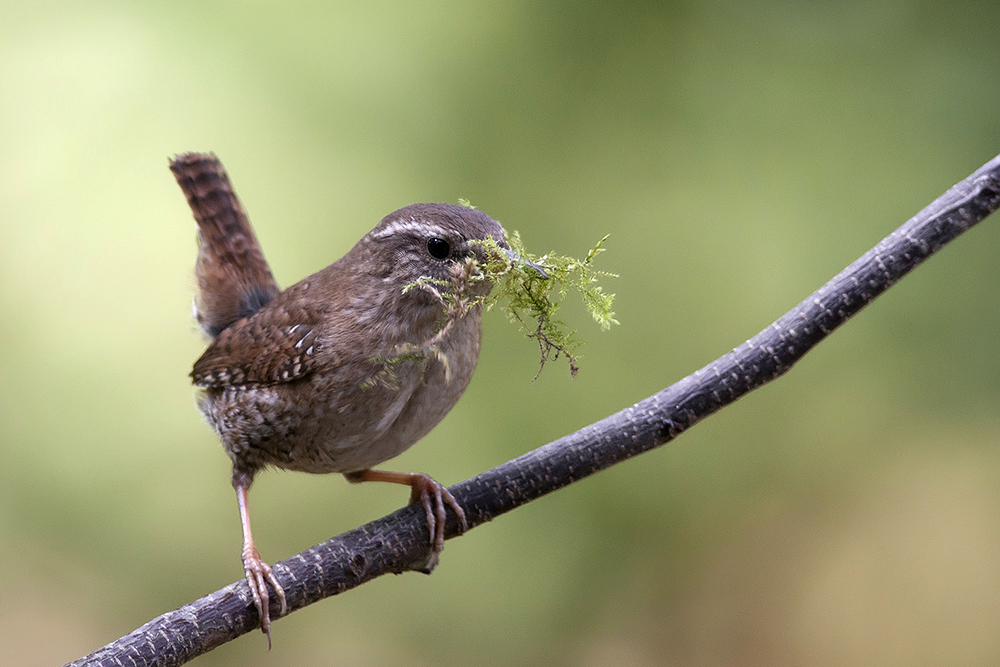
(432, 495)
(258, 573)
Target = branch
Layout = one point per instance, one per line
(398, 542)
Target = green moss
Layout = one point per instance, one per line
(532, 299)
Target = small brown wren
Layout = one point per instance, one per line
(287, 376)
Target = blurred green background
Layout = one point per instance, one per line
(739, 154)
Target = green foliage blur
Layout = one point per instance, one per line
(739, 154)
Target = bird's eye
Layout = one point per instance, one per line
(438, 248)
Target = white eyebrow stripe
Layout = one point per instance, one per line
(411, 225)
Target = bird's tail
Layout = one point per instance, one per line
(234, 280)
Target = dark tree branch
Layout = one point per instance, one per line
(398, 542)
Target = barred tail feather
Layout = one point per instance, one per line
(234, 279)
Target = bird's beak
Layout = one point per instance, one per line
(517, 259)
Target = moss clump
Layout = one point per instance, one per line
(532, 299)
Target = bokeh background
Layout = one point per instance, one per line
(739, 154)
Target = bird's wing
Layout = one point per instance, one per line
(272, 347)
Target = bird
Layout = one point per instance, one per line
(346, 368)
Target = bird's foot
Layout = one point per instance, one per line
(433, 496)
(259, 574)
(429, 493)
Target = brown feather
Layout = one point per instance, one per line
(279, 343)
(234, 279)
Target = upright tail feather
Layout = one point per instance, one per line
(234, 280)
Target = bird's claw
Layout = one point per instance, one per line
(258, 575)
(433, 496)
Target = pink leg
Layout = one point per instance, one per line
(258, 573)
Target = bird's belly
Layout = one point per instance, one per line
(317, 428)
